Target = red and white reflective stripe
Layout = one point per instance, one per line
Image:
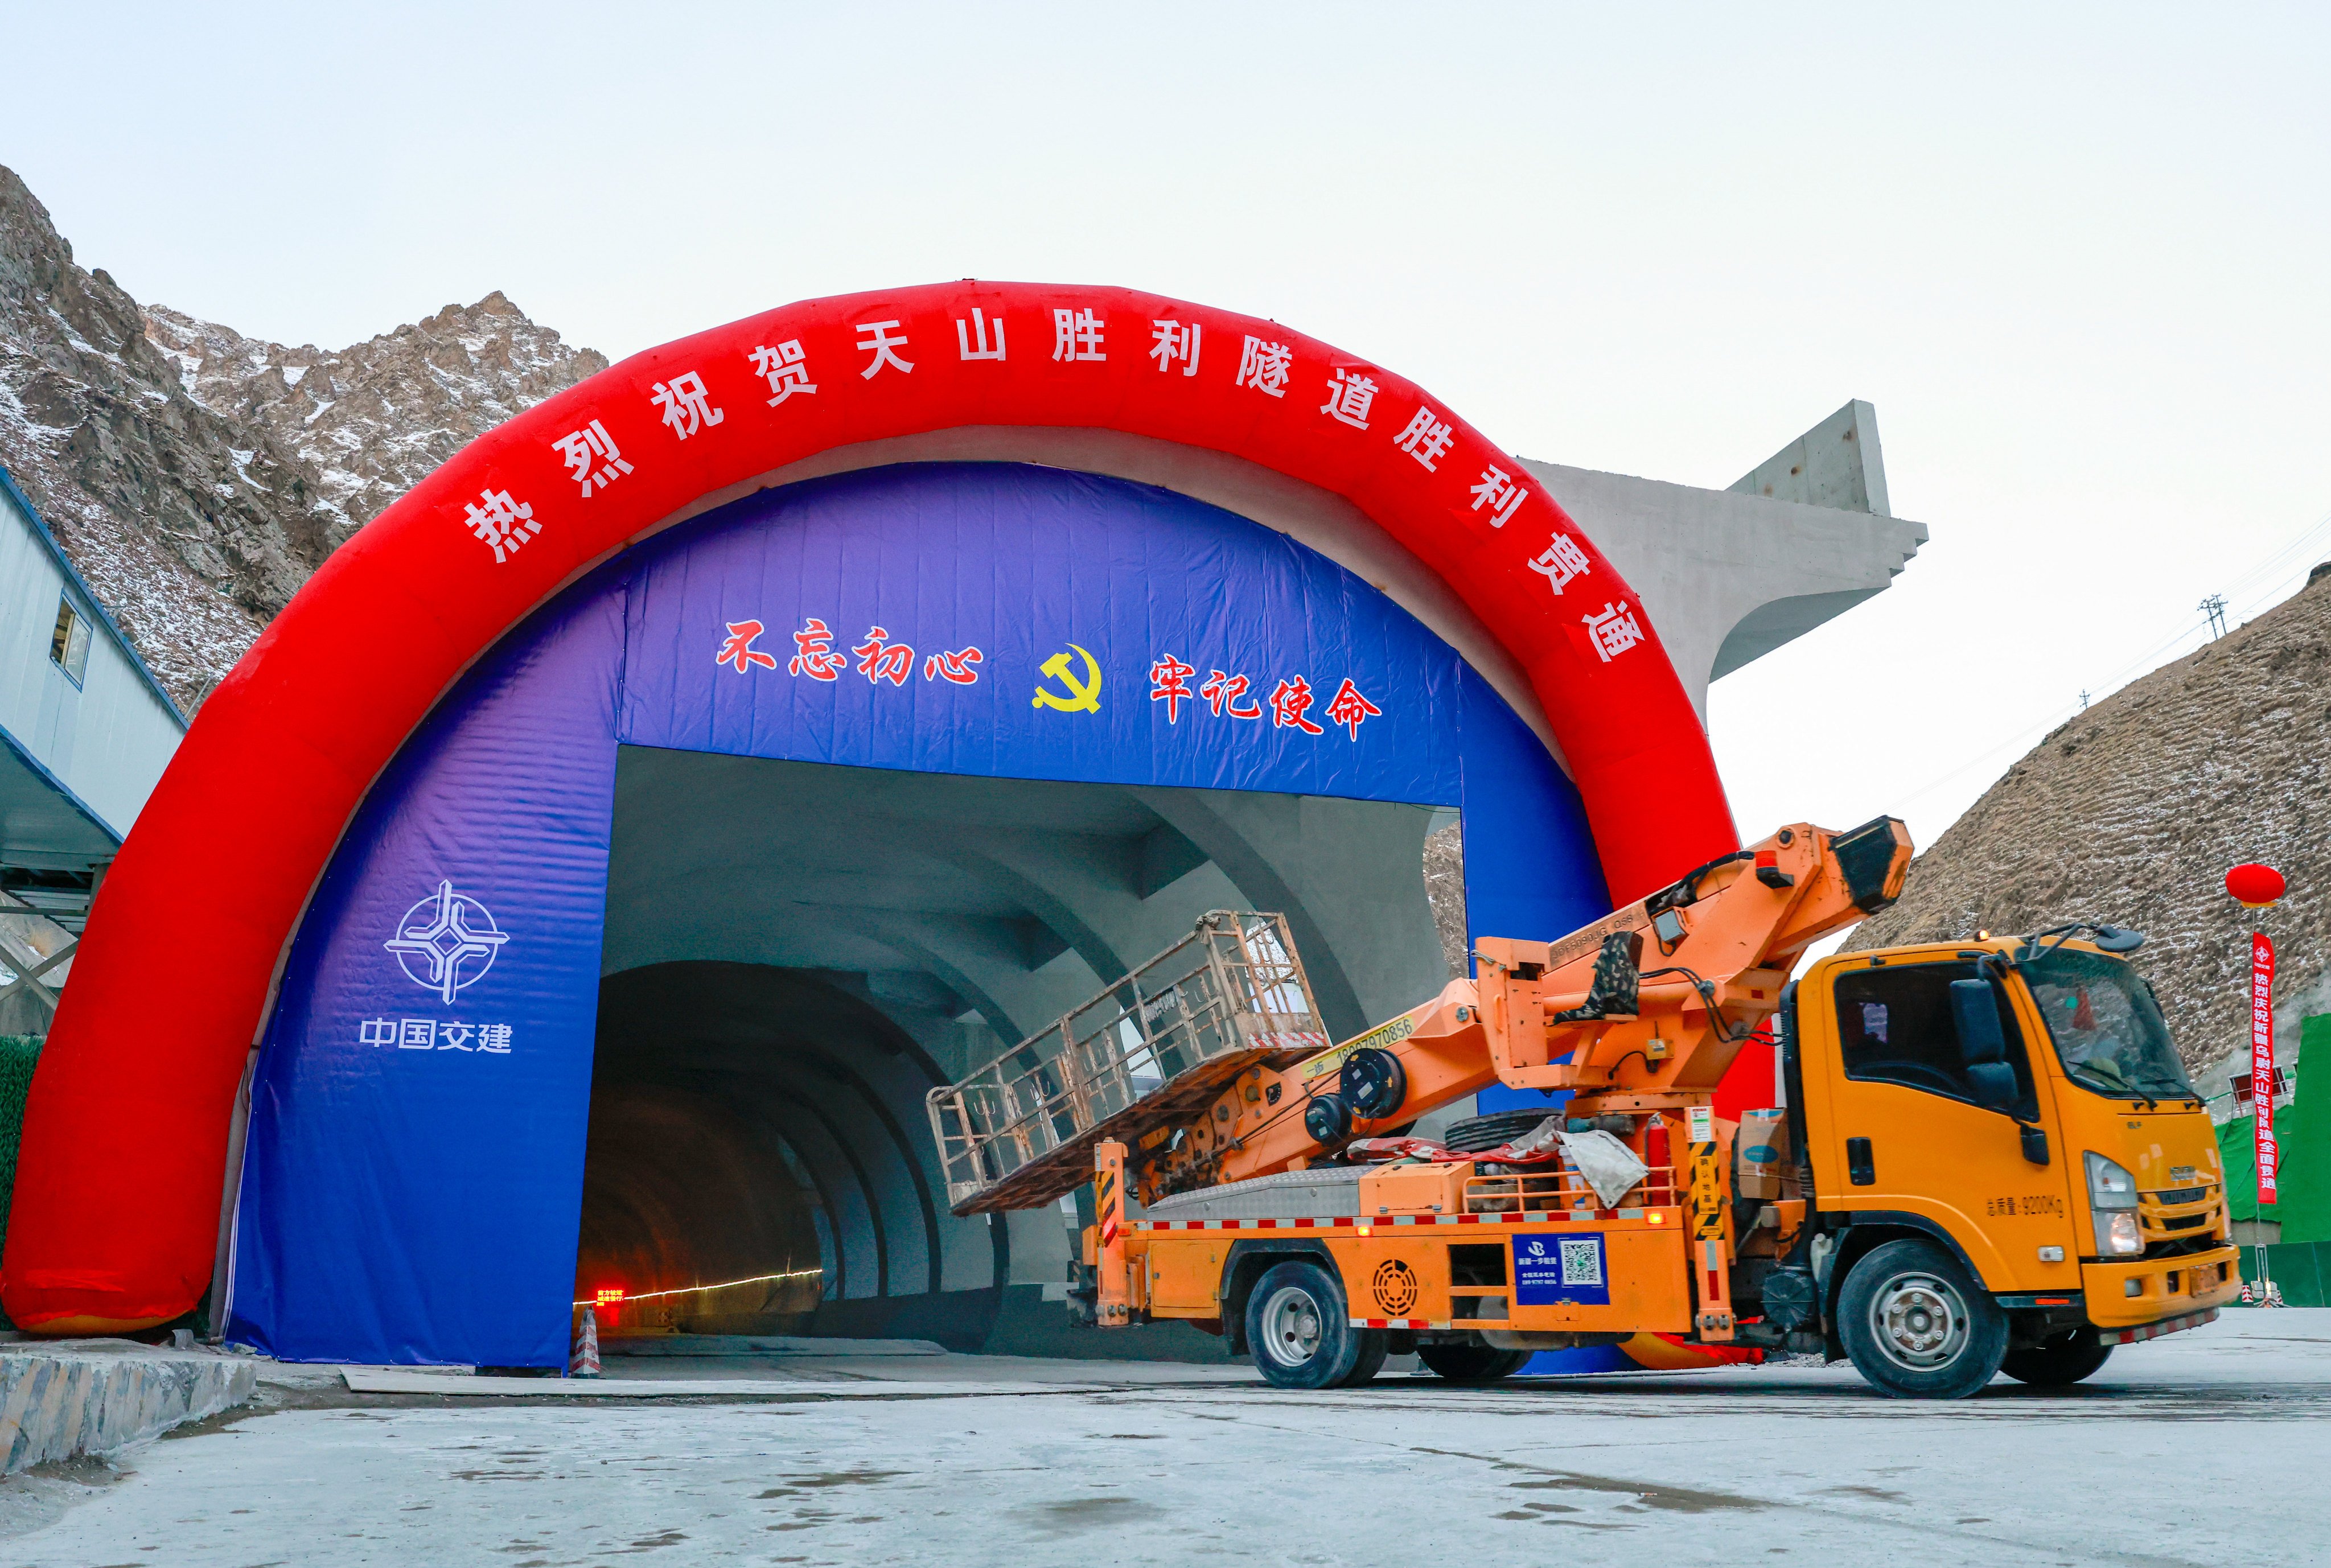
(2156, 1330)
(1293, 1040)
(1244, 1224)
(1531, 1217)
(1396, 1322)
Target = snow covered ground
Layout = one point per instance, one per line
(2205, 1447)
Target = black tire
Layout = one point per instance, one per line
(1916, 1327)
(2056, 1363)
(1301, 1331)
(1475, 1134)
(1376, 1345)
(1472, 1363)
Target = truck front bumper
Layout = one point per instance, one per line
(2145, 1291)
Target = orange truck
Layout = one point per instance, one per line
(1983, 1157)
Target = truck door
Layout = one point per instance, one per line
(1894, 1127)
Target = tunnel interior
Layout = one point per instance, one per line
(796, 952)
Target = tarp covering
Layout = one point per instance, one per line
(412, 1186)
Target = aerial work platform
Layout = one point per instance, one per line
(1149, 1052)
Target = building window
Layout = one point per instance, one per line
(69, 644)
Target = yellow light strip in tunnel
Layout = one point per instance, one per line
(693, 1290)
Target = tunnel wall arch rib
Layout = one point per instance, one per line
(116, 1210)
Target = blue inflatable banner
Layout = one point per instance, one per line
(412, 1182)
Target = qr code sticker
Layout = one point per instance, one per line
(1581, 1260)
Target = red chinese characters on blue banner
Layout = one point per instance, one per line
(1117, 634)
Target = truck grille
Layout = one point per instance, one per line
(2178, 1219)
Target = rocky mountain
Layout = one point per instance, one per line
(1444, 890)
(197, 477)
(370, 420)
(2132, 813)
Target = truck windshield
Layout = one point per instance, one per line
(2107, 1029)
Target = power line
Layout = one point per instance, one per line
(2159, 654)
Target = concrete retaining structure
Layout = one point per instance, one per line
(71, 1397)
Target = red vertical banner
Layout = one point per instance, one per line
(2262, 1059)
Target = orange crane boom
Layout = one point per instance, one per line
(1642, 1010)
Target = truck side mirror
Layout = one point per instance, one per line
(1977, 1015)
(1983, 1046)
(1993, 1083)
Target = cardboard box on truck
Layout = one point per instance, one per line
(1763, 1152)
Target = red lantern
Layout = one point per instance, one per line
(2254, 886)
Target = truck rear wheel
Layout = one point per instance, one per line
(1916, 1327)
(1376, 1345)
(2056, 1363)
(1472, 1363)
(1301, 1330)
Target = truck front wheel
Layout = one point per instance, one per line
(1302, 1333)
(2056, 1363)
(1916, 1327)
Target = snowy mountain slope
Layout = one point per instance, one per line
(371, 420)
(195, 477)
(2132, 813)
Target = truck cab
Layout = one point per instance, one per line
(2006, 1165)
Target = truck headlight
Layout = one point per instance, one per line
(2112, 1203)
(2117, 1235)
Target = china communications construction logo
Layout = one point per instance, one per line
(446, 941)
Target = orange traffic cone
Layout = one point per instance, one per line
(584, 1362)
(2248, 1299)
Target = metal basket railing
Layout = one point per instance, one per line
(1557, 1188)
(1229, 994)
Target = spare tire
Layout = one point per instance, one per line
(1475, 1134)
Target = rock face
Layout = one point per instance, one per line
(371, 421)
(197, 477)
(2132, 813)
(1444, 890)
(190, 528)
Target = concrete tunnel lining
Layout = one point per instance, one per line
(795, 952)
(801, 1063)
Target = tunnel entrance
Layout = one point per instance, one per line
(796, 952)
(756, 831)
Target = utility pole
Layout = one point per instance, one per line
(2215, 607)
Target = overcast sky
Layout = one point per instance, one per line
(2076, 256)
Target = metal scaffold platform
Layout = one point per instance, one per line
(1143, 1054)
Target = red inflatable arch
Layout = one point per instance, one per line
(116, 1206)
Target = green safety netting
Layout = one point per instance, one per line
(2301, 1262)
(18, 1052)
